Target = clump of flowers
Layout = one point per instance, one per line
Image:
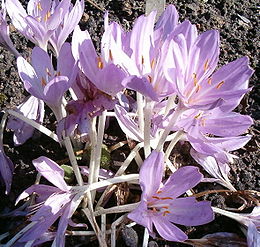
(177, 96)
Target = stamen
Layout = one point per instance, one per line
(142, 60)
(166, 198)
(100, 63)
(48, 72)
(206, 65)
(150, 79)
(166, 207)
(220, 85)
(197, 116)
(39, 19)
(209, 81)
(166, 212)
(58, 73)
(203, 122)
(153, 63)
(47, 16)
(159, 192)
(44, 83)
(198, 88)
(156, 197)
(110, 55)
(194, 76)
(39, 6)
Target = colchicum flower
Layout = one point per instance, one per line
(160, 206)
(59, 201)
(41, 19)
(31, 108)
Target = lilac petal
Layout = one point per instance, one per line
(43, 192)
(55, 89)
(167, 21)
(51, 171)
(151, 174)
(110, 79)
(32, 108)
(70, 21)
(46, 216)
(253, 236)
(129, 127)
(141, 85)
(64, 221)
(139, 216)
(42, 64)
(230, 83)
(180, 181)
(187, 211)
(6, 170)
(230, 124)
(168, 231)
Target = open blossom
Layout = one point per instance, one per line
(31, 108)
(42, 81)
(5, 40)
(160, 206)
(41, 19)
(59, 201)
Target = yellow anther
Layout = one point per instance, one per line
(203, 122)
(159, 192)
(150, 79)
(198, 88)
(206, 65)
(156, 197)
(44, 83)
(166, 207)
(220, 85)
(198, 115)
(166, 198)
(47, 16)
(153, 63)
(39, 6)
(48, 72)
(194, 76)
(100, 63)
(209, 81)
(110, 55)
(142, 60)
(166, 212)
(39, 19)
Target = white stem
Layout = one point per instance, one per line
(2, 127)
(73, 160)
(116, 209)
(34, 124)
(167, 130)
(140, 111)
(147, 127)
(146, 238)
(93, 139)
(103, 226)
(113, 230)
(178, 135)
(122, 169)
(170, 104)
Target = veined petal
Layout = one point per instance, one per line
(151, 174)
(189, 212)
(180, 181)
(167, 21)
(168, 231)
(51, 171)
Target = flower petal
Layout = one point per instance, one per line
(180, 181)
(51, 171)
(168, 231)
(151, 174)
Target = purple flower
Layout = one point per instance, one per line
(91, 102)
(59, 201)
(41, 80)
(31, 108)
(5, 40)
(6, 170)
(160, 205)
(41, 19)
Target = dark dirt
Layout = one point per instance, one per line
(238, 23)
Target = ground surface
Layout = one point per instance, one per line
(238, 24)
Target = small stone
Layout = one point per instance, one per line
(130, 236)
(153, 244)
